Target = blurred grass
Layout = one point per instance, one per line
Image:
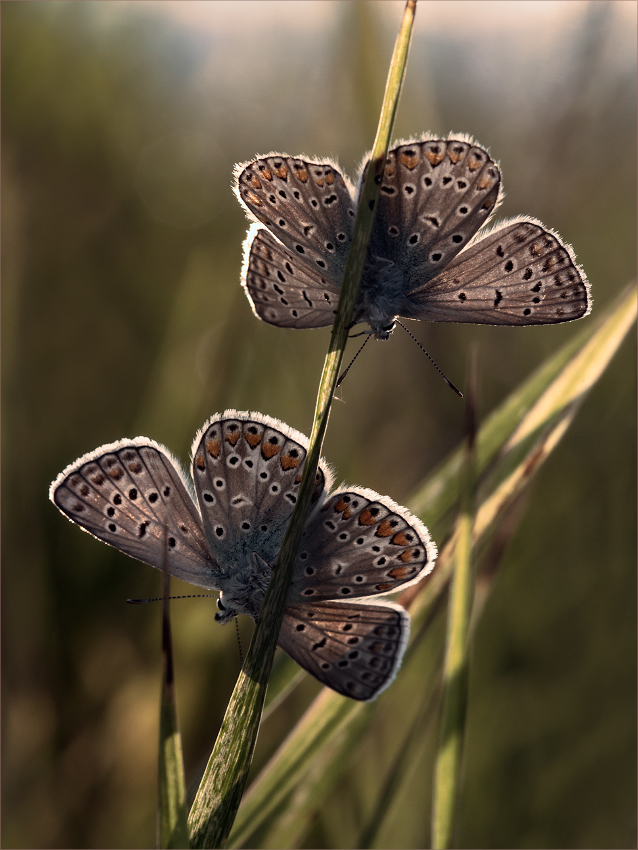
(119, 319)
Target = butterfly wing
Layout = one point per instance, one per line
(282, 289)
(355, 649)
(133, 496)
(356, 544)
(520, 273)
(307, 205)
(247, 470)
(435, 195)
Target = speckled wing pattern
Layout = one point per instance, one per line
(352, 648)
(359, 544)
(132, 495)
(521, 273)
(435, 195)
(356, 544)
(294, 279)
(247, 471)
(282, 290)
(428, 258)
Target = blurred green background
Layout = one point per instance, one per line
(123, 315)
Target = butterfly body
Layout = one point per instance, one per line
(224, 531)
(429, 256)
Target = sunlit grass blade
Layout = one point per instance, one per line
(574, 370)
(456, 664)
(408, 759)
(172, 825)
(397, 771)
(298, 811)
(220, 792)
(439, 492)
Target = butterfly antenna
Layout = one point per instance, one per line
(343, 374)
(241, 654)
(159, 598)
(440, 371)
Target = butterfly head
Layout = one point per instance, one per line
(226, 612)
(382, 329)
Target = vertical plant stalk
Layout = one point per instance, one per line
(172, 827)
(455, 667)
(220, 792)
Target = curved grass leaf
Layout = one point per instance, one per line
(532, 420)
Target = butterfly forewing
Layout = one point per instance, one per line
(359, 544)
(355, 649)
(308, 206)
(284, 290)
(435, 195)
(519, 274)
(247, 473)
(131, 495)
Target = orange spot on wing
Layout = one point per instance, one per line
(199, 461)
(288, 462)
(384, 529)
(400, 539)
(344, 508)
(254, 199)
(484, 183)
(301, 173)
(474, 162)
(383, 587)
(269, 450)
(406, 556)
(266, 172)
(398, 572)
(330, 178)
(282, 172)
(434, 155)
(255, 182)
(213, 447)
(252, 439)
(232, 436)
(366, 518)
(410, 159)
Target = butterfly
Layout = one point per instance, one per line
(430, 256)
(224, 529)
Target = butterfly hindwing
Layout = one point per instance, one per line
(520, 273)
(132, 495)
(358, 544)
(283, 289)
(355, 649)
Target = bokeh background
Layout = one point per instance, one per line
(123, 315)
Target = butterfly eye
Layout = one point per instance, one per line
(220, 605)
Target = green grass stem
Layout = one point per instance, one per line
(172, 828)
(456, 663)
(224, 780)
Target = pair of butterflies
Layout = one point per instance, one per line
(426, 260)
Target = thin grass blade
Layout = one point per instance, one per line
(172, 825)
(456, 664)
(220, 792)
(583, 361)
